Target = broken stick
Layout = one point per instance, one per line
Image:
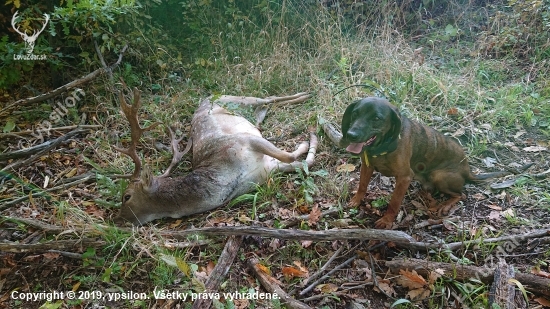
(220, 270)
(532, 283)
(270, 284)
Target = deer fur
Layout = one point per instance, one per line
(230, 157)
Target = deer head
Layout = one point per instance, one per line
(29, 40)
(144, 188)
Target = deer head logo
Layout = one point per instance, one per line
(29, 40)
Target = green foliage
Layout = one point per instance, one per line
(521, 32)
(11, 70)
(306, 182)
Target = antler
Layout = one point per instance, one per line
(13, 24)
(131, 113)
(175, 150)
(34, 33)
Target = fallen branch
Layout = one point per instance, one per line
(64, 128)
(460, 244)
(47, 228)
(220, 270)
(532, 283)
(64, 88)
(298, 219)
(324, 267)
(503, 293)
(11, 203)
(323, 278)
(325, 235)
(271, 285)
(35, 151)
(59, 245)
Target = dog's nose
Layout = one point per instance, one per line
(353, 136)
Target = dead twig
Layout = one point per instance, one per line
(325, 235)
(64, 128)
(324, 267)
(271, 285)
(220, 270)
(60, 245)
(7, 204)
(532, 283)
(460, 244)
(35, 151)
(323, 278)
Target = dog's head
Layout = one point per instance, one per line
(371, 124)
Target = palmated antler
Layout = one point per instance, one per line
(131, 113)
(177, 155)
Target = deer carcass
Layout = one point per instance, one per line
(230, 156)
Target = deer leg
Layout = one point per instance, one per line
(288, 158)
(253, 101)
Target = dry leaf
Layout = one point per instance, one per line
(458, 132)
(241, 303)
(210, 267)
(479, 196)
(306, 243)
(341, 223)
(314, 216)
(263, 269)
(290, 272)
(51, 255)
(419, 294)
(540, 273)
(327, 288)
(495, 207)
(71, 173)
(175, 224)
(183, 266)
(452, 111)
(434, 275)
(385, 286)
(411, 280)
(95, 211)
(543, 301)
(346, 167)
(508, 213)
(520, 133)
(494, 215)
(302, 268)
(244, 219)
(275, 244)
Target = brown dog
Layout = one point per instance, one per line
(396, 146)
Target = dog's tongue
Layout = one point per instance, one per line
(355, 147)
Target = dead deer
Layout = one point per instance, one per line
(230, 156)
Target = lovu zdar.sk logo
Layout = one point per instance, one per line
(29, 39)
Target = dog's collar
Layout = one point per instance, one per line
(384, 149)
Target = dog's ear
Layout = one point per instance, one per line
(395, 128)
(346, 122)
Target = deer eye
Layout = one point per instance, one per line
(126, 197)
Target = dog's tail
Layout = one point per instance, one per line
(486, 176)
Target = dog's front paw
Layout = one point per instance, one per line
(384, 223)
(355, 201)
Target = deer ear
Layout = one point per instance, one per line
(148, 181)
